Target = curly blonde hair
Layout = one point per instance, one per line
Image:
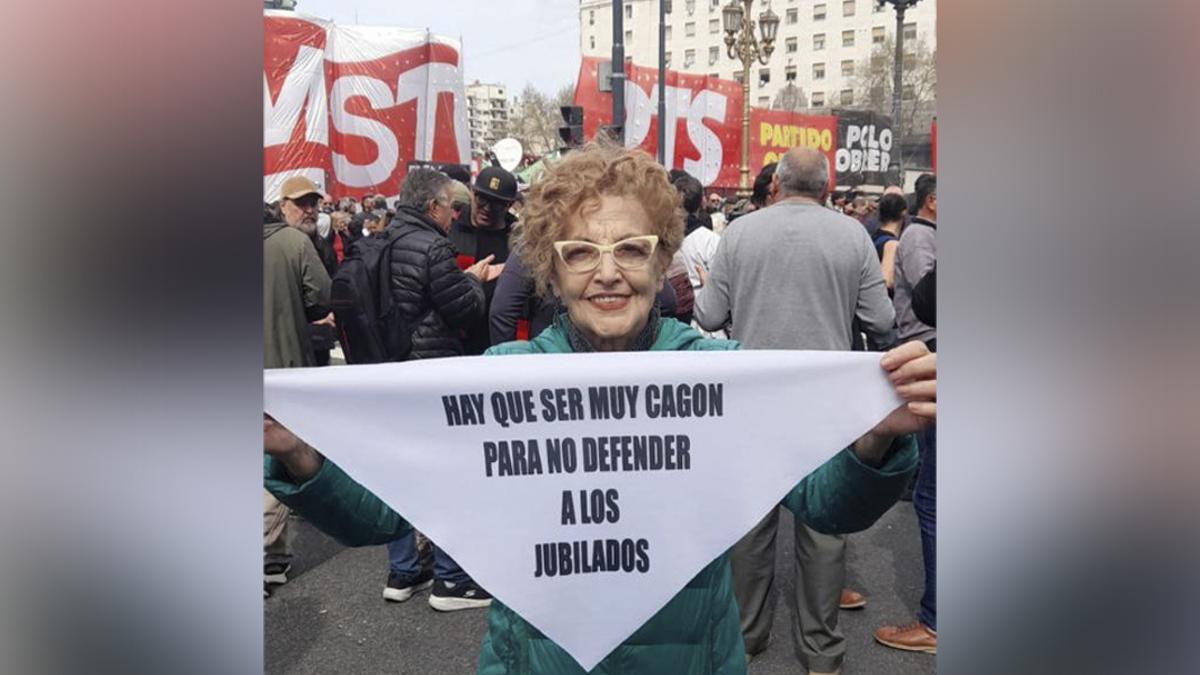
(573, 186)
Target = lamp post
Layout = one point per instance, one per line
(897, 80)
(742, 46)
(664, 8)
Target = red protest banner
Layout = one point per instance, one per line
(703, 134)
(773, 132)
(350, 106)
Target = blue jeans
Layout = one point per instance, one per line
(402, 559)
(925, 504)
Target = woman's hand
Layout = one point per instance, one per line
(912, 370)
(298, 457)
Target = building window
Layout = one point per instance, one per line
(818, 12)
(910, 31)
(878, 34)
(689, 58)
(714, 26)
(712, 6)
(818, 71)
(789, 73)
(818, 42)
(793, 15)
(738, 77)
(667, 57)
(847, 68)
(790, 45)
(591, 17)
(691, 6)
(764, 76)
(715, 76)
(848, 8)
(628, 37)
(689, 28)
(907, 92)
(628, 11)
(877, 7)
(764, 101)
(668, 32)
(910, 61)
(847, 38)
(847, 97)
(818, 99)
(714, 55)
(592, 42)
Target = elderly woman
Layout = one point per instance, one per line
(600, 229)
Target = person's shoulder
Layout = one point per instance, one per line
(292, 241)
(549, 341)
(917, 232)
(513, 347)
(708, 235)
(289, 235)
(674, 335)
(714, 345)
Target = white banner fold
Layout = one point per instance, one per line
(521, 467)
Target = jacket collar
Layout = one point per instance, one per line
(271, 228)
(665, 335)
(407, 215)
(918, 220)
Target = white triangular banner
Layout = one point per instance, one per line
(781, 415)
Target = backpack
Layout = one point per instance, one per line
(369, 324)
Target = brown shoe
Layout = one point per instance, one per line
(852, 599)
(915, 637)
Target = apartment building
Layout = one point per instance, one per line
(487, 115)
(817, 47)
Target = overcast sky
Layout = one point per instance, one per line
(513, 42)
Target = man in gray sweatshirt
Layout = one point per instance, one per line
(915, 257)
(795, 275)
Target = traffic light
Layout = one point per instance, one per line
(572, 131)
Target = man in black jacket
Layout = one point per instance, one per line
(438, 300)
(435, 297)
(482, 231)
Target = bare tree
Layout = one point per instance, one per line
(872, 83)
(536, 118)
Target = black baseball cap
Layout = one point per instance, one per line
(497, 183)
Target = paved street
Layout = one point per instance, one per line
(330, 616)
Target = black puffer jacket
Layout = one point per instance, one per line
(435, 296)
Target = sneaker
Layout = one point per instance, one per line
(401, 587)
(276, 573)
(852, 600)
(450, 597)
(915, 637)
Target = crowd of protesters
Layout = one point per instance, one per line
(471, 268)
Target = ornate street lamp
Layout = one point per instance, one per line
(897, 80)
(742, 46)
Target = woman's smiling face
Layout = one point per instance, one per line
(610, 304)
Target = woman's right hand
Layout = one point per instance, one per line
(298, 457)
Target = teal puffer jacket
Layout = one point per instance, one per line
(697, 631)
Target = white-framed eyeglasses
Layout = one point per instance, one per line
(629, 254)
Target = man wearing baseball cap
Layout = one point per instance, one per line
(295, 292)
(483, 230)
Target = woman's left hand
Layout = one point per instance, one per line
(912, 370)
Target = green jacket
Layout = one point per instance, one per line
(295, 291)
(698, 630)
